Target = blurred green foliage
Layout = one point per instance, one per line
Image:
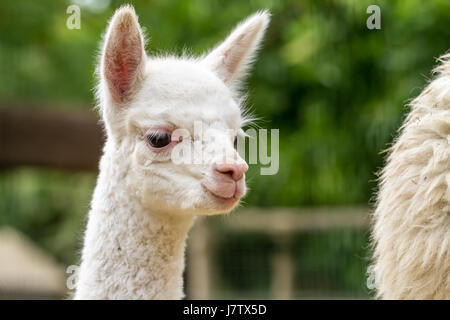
(336, 90)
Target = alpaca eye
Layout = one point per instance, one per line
(159, 139)
(235, 142)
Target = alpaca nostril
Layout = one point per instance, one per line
(229, 172)
(235, 170)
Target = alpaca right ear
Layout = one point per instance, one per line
(233, 57)
(123, 56)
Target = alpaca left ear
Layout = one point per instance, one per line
(123, 58)
(233, 57)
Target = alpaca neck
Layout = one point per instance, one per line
(130, 252)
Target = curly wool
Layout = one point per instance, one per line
(411, 223)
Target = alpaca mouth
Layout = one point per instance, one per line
(226, 189)
(224, 201)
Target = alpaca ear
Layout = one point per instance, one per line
(123, 57)
(233, 57)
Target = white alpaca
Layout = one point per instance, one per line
(144, 203)
(411, 230)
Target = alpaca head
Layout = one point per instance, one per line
(173, 122)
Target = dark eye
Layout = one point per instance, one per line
(158, 139)
(235, 142)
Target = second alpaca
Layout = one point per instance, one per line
(411, 231)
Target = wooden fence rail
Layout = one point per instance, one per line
(50, 139)
(280, 224)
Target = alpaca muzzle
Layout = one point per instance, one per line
(227, 179)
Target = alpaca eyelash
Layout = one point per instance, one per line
(152, 134)
(159, 139)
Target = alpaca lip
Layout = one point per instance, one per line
(220, 186)
(225, 203)
(217, 194)
(232, 199)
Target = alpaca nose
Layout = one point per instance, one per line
(235, 169)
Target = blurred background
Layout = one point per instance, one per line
(336, 90)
